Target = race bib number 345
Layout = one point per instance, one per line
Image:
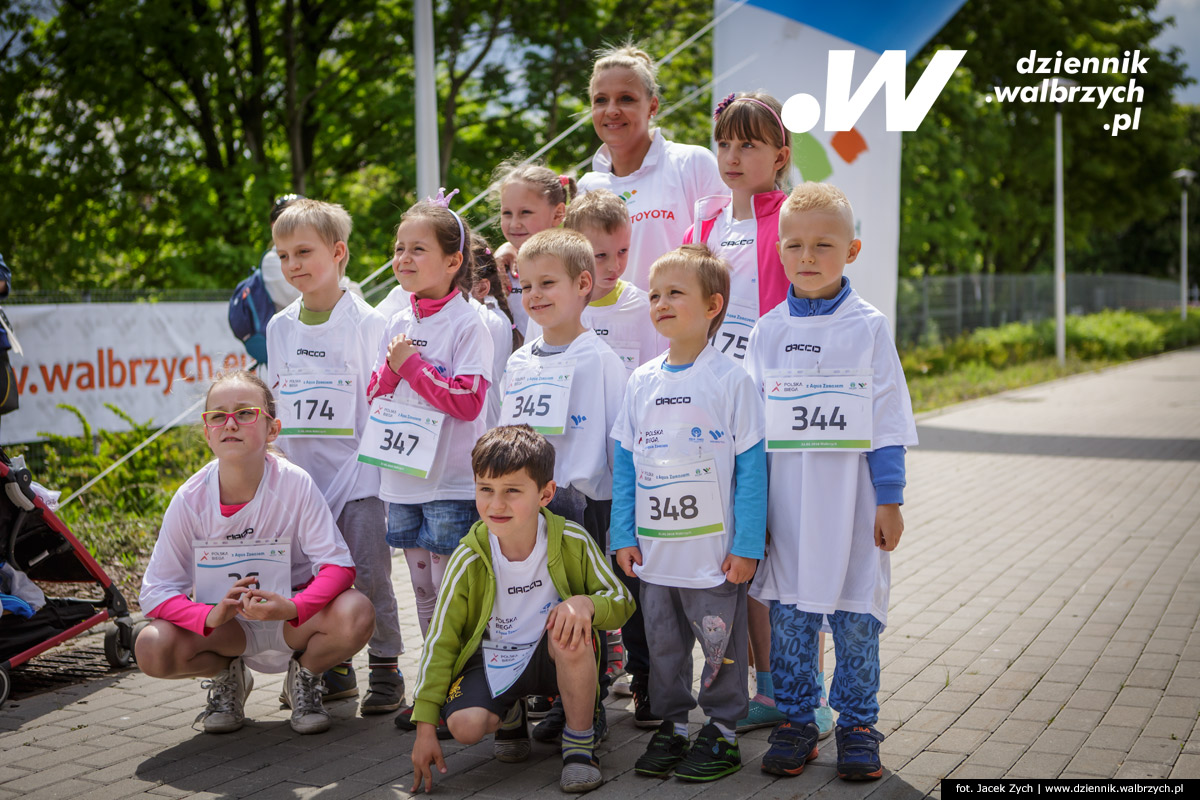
(819, 410)
(538, 396)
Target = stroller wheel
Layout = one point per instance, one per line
(117, 655)
(5, 684)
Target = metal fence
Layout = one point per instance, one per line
(937, 308)
(926, 309)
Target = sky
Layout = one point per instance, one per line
(1185, 35)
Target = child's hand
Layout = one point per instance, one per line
(426, 751)
(738, 569)
(506, 257)
(570, 622)
(399, 350)
(230, 604)
(260, 604)
(889, 525)
(627, 557)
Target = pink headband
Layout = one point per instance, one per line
(724, 104)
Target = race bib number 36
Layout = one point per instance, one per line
(401, 437)
(319, 405)
(539, 397)
(819, 410)
(679, 502)
(221, 564)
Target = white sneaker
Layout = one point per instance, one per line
(302, 689)
(227, 690)
(621, 687)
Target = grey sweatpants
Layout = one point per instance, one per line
(675, 619)
(363, 524)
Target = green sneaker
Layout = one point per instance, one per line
(712, 756)
(666, 749)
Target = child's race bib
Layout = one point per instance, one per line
(734, 333)
(218, 565)
(679, 501)
(809, 409)
(317, 404)
(539, 396)
(401, 436)
(504, 662)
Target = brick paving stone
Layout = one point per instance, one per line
(1187, 766)
(997, 754)
(1156, 750)
(1134, 770)
(1037, 764)
(1095, 762)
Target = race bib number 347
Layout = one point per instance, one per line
(819, 410)
(401, 437)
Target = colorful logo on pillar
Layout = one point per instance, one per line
(811, 159)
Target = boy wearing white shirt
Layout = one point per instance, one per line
(566, 383)
(522, 596)
(689, 515)
(320, 352)
(838, 421)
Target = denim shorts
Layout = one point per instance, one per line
(436, 526)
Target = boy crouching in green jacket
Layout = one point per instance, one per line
(515, 616)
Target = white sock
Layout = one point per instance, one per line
(729, 733)
(681, 729)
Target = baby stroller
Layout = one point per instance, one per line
(35, 542)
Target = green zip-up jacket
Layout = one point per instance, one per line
(468, 592)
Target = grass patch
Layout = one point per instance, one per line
(976, 379)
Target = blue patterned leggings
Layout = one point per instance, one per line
(794, 664)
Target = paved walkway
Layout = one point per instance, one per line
(1044, 624)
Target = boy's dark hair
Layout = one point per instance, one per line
(512, 448)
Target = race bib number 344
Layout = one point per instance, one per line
(819, 410)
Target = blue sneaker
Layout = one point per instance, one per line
(760, 715)
(858, 753)
(792, 746)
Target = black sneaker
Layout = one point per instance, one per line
(643, 717)
(792, 746)
(858, 753)
(538, 706)
(712, 756)
(404, 722)
(385, 692)
(666, 749)
(512, 746)
(551, 727)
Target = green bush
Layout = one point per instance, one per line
(118, 517)
(1108, 335)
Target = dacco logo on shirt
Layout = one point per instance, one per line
(737, 242)
(524, 589)
(242, 535)
(601, 331)
(300, 351)
(805, 348)
(419, 342)
(672, 401)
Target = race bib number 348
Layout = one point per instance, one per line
(679, 502)
(819, 410)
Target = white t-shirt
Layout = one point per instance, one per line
(660, 195)
(396, 301)
(821, 513)
(525, 595)
(711, 410)
(455, 341)
(734, 241)
(582, 452)
(624, 324)
(500, 328)
(345, 343)
(287, 505)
